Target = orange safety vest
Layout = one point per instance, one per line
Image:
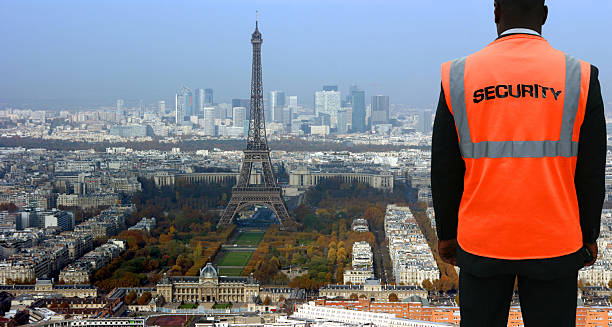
(518, 106)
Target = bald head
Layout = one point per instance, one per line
(530, 14)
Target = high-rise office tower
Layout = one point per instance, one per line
(380, 109)
(425, 125)
(183, 105)
(277, 103)
(287, 116)
(348, 102)
(292, 102)
(239, 118)
(179, 108)
(290, 111)
(188, 102)
(208, 96)
(242, 103)
(141, 108)
(161, 106)
(120, 106)
(199, 96)
(328, 102)
(330, 87)
(359, 111)
(209, 121)
(223, 110)
(343, 121)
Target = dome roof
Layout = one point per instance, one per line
(208, 271)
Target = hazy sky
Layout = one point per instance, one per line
(103, 50)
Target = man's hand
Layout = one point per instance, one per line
(448, 251)
(592, 247)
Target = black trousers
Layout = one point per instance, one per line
(485, 300)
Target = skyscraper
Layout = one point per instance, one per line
(292, 102)
(425, 125)
(242, 103)
(161, 106)
(120, 106)
(239, 118)
(209, 121)
(179, 108)
(380, 109)
(359, 111)
(208, 96)
(183, 105)
(199, 102)
(277, 103)
(223, 110)
(141, 108)
(330, 87)
(343, 121)
(188, 102)
(328, 102)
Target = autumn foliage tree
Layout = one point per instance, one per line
(144, 298)
(130, 297)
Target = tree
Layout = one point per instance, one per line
(321, 241)
(130, 297)
(393, 297)
(331, 256)
(428, 285)
(267, 300)
(341, 255)
(144, 298)
(354, 296)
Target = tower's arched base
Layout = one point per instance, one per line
(266, 196)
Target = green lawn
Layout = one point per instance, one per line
(188, 306)
(249, 238)
(235, 258)
(230, 271)
(222, 305)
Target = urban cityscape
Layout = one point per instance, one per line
(271, 210)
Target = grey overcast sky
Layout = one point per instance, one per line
(84, 51)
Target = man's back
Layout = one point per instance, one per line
(518, 105)
(517, 174)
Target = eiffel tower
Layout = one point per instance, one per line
(257, 152)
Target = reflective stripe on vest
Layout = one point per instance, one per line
(563, 147)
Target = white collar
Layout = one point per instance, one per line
(520, 31)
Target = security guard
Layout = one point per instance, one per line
(518, 170)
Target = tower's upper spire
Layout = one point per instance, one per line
(256, 37)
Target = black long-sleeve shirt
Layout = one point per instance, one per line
(448, 169)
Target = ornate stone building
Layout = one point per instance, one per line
(309, 178)
(372, 289)
(45, 287)
(208, 287)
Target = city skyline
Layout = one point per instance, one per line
(89, 60)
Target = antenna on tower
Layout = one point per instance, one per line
(256, 17)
